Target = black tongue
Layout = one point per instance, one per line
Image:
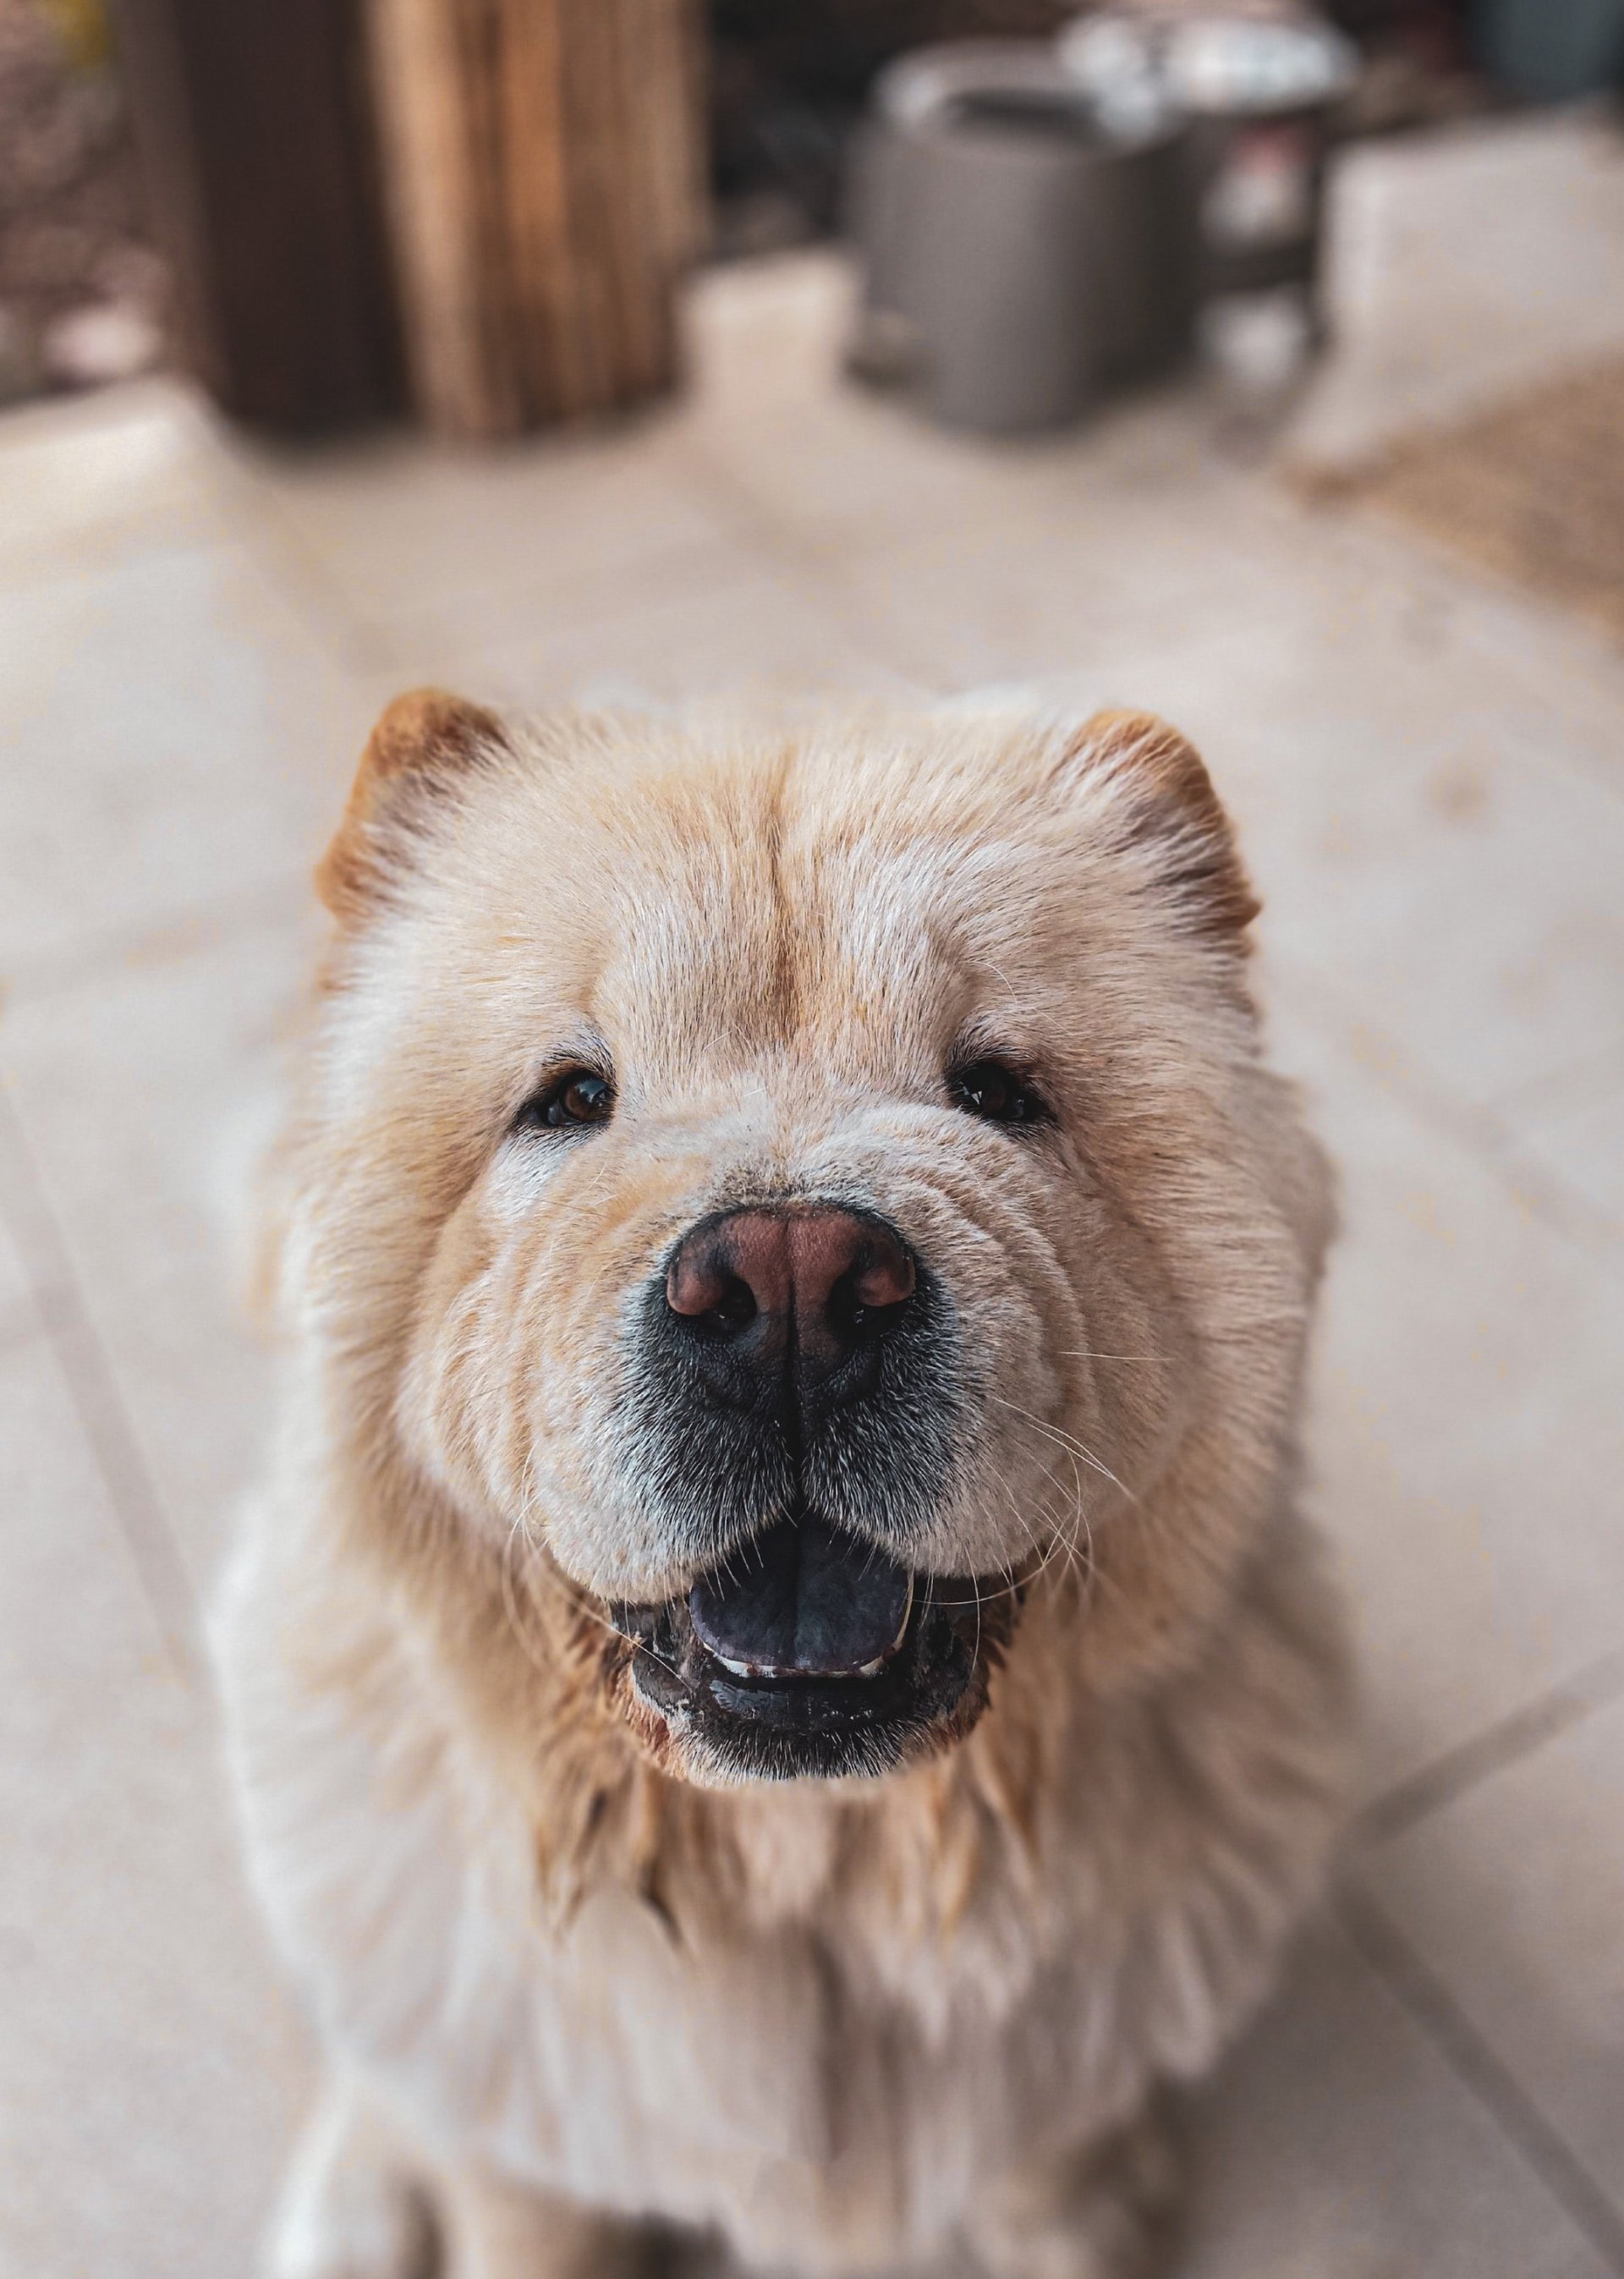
(804, 1600)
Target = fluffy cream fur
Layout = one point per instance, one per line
(566, 1981)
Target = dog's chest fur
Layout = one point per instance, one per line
(838, 2020)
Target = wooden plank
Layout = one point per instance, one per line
(544, 164)
(254, 129)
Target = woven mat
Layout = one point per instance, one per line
(1533, 490)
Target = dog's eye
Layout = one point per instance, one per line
(988, 1089)
(578, 1096)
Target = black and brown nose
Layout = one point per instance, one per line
(801, 1289)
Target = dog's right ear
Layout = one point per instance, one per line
(1168, 810)
(424, 744)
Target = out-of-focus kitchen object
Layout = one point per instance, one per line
(1026, 243)
(1260, 94)
(1552, 50)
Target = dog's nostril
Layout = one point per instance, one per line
(735, 1310)
(881, 1278)
(704, 1291)
(851, 1314)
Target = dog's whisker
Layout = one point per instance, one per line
(1067, 1440)
(1090, 1576)
(583, 1605)
(1092, 1353)
(1059, 1548)
(578, 1599)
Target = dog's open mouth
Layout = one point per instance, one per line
(810, 1653)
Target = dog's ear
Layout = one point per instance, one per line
(425, 743)
(1164, 805)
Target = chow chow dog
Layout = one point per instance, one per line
(779, 1689)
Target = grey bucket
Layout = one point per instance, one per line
(1027, 251)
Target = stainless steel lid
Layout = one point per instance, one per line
(1227, 66)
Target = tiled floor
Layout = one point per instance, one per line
(1429, 776)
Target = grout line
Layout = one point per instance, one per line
(265, 526)
(1557, 1201)
(1473, 581)
(1476, 1127)
(93, 1389)
(1461, 1768)
(1578, 1085)
(811, 566)
(1427, 1997)
(20, 1324)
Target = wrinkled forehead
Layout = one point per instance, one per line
(685, 920)
(844, 943)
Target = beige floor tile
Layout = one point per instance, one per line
(14, 1285)
(1107, 566)
(1438, 308)
(1432, 864)
(415, 539)
(1541, 657)
(1338, 2145)
(174, 739)
(1514, 1896)
(1470, 921)
(757, 634)
(1467, 1437)
(148, 2069)
(88, 478)
(1580, 1143)
(842, 465)
(150, 1202)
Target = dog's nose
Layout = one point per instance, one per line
(803, 1288)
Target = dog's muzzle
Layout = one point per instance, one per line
(787, 1358)
(798, 1405)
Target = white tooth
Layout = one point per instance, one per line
(868, 1669)
(873, 1668)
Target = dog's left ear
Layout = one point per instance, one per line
(1161, 798)
(424, 746)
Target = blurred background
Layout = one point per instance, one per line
(1265, 368)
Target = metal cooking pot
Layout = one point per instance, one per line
(1260, 94)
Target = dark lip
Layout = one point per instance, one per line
(929, 1694)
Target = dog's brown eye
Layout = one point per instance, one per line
(578, 1096)
(988, 1089)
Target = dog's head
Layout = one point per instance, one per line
(797, 1186)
